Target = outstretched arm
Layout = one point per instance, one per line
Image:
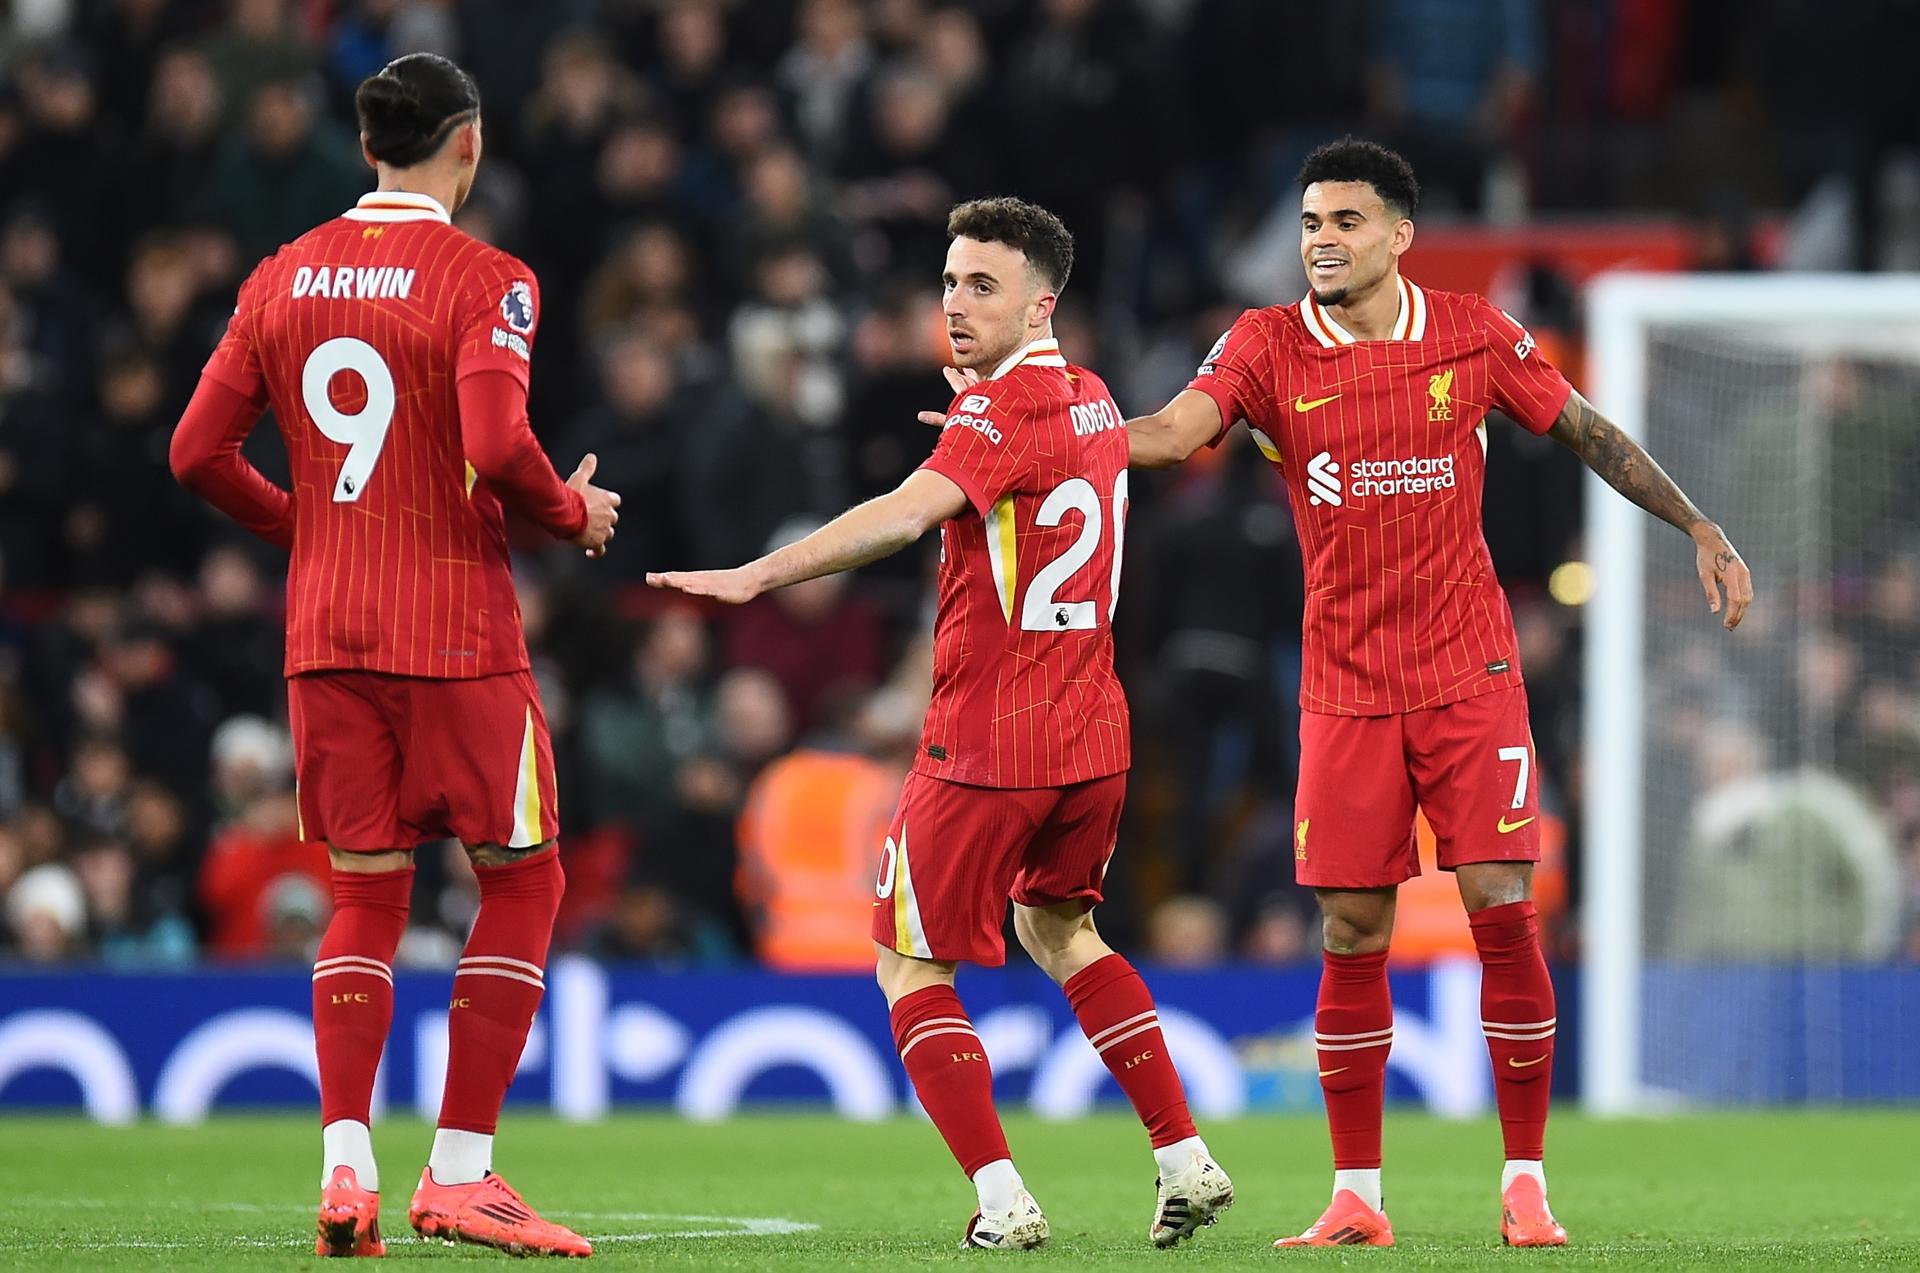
(1174, 432)
(1627, 468)
(1156, 441)
(867, 532)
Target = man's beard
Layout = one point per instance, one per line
(1355, 286)
(984, 359)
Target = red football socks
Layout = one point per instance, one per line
(353, 987)
(948, 1068)
(1117, 1015)
(497, 988)
(1517, 1013)
(1353, 1032)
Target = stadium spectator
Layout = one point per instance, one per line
(651, 266)
(692, 64)
(907, 166)
(639, 735)
(1083, 86)
(15, 740)
(170, 158)
(169, 318)
(160, 838)
(124, 520)
(583, 95)
(1187, 932)
(261, 43)
(160, 711)
(367, 34)
(638, 179)
(781, 209)
(13, 860)
(246, 885)
(895, 354)
(34, 457)
(64, 155)
(47, 911)
(235, 648)
(825, 76)
(289, 170)
(58, 308)
(649, 924)
(638, 429)
(806, 838)
(1451, 84)
(254, 909)
(126, 927)
(953, 49)
(128, 39)
(93, 795)
(820, 641)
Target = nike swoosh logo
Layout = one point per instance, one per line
(1301, 404)
(1506, 826)
(1325, 1073)
(1518, 1064)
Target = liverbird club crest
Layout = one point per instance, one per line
(1440, 393)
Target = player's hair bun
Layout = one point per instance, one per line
(409, 108)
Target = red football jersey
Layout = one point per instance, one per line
(1383, 447)
(1024, 692)
(357, 334)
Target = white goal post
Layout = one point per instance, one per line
(1833, 314)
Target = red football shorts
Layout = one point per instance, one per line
(1469, 765)
(389, 762)
(955, 854)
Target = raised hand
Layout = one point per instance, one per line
(603, 507)
(962, 379)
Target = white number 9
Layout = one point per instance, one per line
(364, 433)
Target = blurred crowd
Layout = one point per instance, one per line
(736, 210)
(1787, 763)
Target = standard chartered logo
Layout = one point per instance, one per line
(1412, 475)
(1323, 480)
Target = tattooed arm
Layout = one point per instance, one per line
(1628, 468)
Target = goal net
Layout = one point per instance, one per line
(1752, 800)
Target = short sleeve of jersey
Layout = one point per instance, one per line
(499, 310)
(235, 362)
(986, 447)
(1525, 385)
(1238, 373)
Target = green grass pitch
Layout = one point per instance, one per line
(1751, 1191)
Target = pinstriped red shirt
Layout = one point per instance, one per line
(357, 334)
(1024, 692)
(1383, 444)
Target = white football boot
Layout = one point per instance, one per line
(1020, 1227)
(1190, 1199)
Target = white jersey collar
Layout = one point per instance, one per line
(398, 205)
(1044, 352)
(1409, 324)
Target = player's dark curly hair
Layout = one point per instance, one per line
(1029, 227)
(412, 105)
(1351, 159)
